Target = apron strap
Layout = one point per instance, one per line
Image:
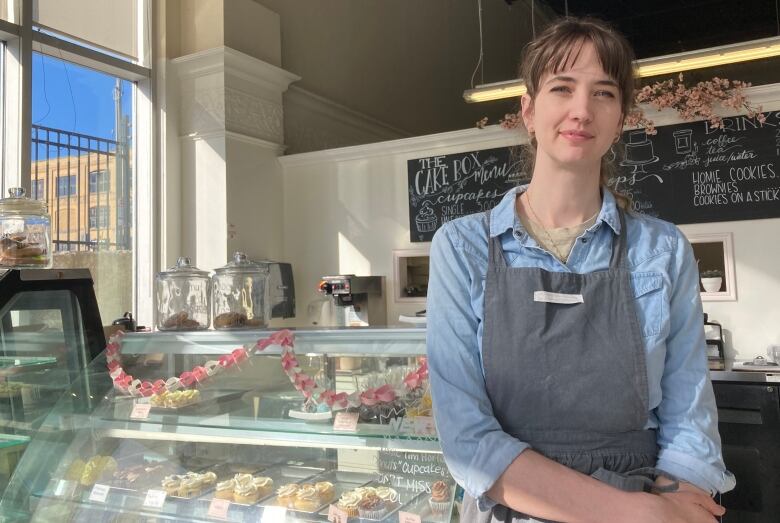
(618, 259)
(495, 250)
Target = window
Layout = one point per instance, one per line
(98, 181)
(98, 217)
(39, 192)
(66, 186)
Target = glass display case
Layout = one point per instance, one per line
(241, 426)
(50, 329)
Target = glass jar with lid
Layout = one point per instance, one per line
(25, 231)
(241, 299)
(183, 297)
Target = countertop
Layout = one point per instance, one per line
(769, 376)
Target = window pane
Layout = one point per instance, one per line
(9, 10)
(81, 166)
(110, 24)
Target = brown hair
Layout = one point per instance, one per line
(559, 46)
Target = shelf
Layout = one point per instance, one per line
(228, 429)
(368, 342)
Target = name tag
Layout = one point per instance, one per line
(557, 297)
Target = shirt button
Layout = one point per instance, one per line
(584, 240)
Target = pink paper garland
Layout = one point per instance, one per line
(284, 339)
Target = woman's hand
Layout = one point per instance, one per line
(694, 495)
(683, 506)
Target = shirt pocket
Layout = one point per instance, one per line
(649, 302)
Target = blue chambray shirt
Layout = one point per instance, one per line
(665, 281)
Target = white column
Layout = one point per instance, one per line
(231, 133)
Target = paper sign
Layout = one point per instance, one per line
(219, 508)
(99, 493)
(336, 515)
(557, 297)
(408, 517)
(63, 487)
(273, 514)
(424, 426)
(140, 411)
(155, 498)
(346, 421)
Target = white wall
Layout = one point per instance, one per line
(346, 210)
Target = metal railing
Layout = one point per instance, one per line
(85, 181)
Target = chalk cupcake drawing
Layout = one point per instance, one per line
(426, 218)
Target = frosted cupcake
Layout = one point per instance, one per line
(225, 489)
(264, 485)
(306, 498)
(440, 498)
(389, 495)
(325, 491)
(285, 496)
(372, 507)
(348, 502)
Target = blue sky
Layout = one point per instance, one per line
(73, 98)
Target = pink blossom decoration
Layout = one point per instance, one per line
(385, 393)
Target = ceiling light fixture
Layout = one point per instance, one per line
(660, 65)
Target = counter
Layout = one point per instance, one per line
(744, 376)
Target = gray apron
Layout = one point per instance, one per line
(565, 370)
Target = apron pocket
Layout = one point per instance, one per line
(649, 301)
(639, 480)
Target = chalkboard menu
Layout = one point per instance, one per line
(686, 173)
(693, 173)
(442, 188)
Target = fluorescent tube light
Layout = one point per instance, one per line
(495, 91)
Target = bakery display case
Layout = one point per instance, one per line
(50, 330)
(261, 426)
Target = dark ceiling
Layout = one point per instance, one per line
(660, 27)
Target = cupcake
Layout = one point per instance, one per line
(426, 218)
(286, 495)
(372, 507)
(209, 479)
(440, 498)
(306, 498)
(225, 489)
(263, 485)
(389, 495)
(325, 491)
(246, 494)
(191, 486)
(170, 485)
(348, 502)
(243, 480)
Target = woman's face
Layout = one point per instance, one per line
(576, 114)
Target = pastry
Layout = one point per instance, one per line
(389, 495)
(171, 485)
(99, 467)
(325, 491)
(180, 321)
(286, 495)
(246, 493)
(230, 320)
(440, 498)
(191, 486)
(263, 485)
(348, 502)
(307, 499)
(209, 479)
(225, 489)
(372, 507)
(75, 470)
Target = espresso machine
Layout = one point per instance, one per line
(350, 301)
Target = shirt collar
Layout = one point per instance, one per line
(504, 217)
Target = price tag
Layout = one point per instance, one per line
(336, 515)
(408, 517)
(155, 498)
(346, 421)
(219, 508)
(424, 426)
(273, 514)
(140, 411)
(63, 487)
(99, 493)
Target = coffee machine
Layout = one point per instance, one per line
(350, 301)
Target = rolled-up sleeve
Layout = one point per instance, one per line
(688, 437)
(476, 449)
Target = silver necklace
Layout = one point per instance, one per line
(553, 244)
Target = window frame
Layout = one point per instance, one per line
(21, 39)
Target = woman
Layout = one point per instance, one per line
(565, 343)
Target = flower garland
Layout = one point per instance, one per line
(284, 340)
(696, 102)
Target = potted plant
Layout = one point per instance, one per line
(711, 280)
